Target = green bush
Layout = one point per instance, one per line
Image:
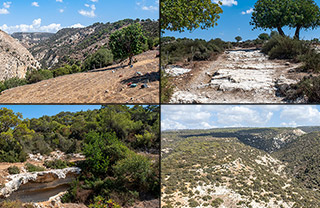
(14, 82)
(309, 87)
(102, 58)
(279, 47)
(13, 170)
(56, 164)
(33, 168)
(66, 69)
(38, 75)
(311, 62)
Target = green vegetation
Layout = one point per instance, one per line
(127, 42)
(275, 14)
(34, 168)
(120, 144)
(238, 38)
(13, 170)
(57, 164)
(178, 15)
(177, 50)
(208, 160)
(102, 58)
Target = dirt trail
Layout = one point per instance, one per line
(237, 76)
(106, 85)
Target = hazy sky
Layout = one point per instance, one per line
(52, 15)
(235, 21)
(218, 116)
(36, 111)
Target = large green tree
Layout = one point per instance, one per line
(127, 42)
(181, 15)
(270, 14)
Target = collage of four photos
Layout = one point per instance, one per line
(159, 104)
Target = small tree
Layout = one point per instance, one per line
(238, 39)
(270, 14)
(127, 42)
(264, 36)
(178, 15)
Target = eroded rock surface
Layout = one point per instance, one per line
(239, 76)
(36, 178)
(15, 59)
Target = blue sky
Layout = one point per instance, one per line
(36, 111)
(52, 15)
(235, 21)
(220, 116)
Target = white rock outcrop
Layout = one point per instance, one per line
(15, 181)
(15, 59)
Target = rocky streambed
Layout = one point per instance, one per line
(38, 186)
(238, 76)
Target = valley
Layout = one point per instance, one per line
(240, 167)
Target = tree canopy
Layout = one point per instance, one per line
(181, 15)
(127, 42)
(270, 14)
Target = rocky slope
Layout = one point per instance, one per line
(15, 59)
(208, 171)
(74, 44)
(237, 76)
(30, 39)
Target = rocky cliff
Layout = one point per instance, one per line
(14, 58)
(30, 39)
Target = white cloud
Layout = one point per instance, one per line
(34, 27)
(94, 0)
(242, 116)
(6, 6)
(249, 11)
(301, 115)
(35, 4)
(147, 6)
(78, 25)
(59, 1)
(227, 2)
(61, 10)
(87, 13)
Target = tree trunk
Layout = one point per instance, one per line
(280, 31)
(130, 60)
(297, 33)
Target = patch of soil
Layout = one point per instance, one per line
(106, 85)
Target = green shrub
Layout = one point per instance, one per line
(33, 168)
(100, 202)
(102, 58)
(38, 75)
(66, 69)
(13, 170)
(311, 62)
(14, 82)
(217, 202)
(280, 47)
(11, 204)
(56, 164)
(309, 87)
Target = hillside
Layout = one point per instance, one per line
(94, 158)
(69, 45)
(106, 85)
(303, 159)
(202, 170)
(15, 59)
(29, 39)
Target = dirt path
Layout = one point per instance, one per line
(106, 85)
(237, 76)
